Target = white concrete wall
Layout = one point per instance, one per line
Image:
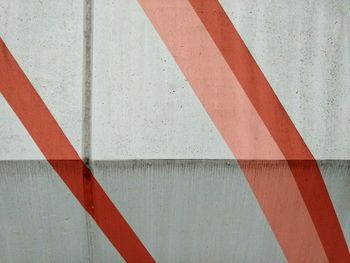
(46, 39)
(142, 107)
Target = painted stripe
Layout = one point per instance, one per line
(45, 131)
(282, 129)
(254, 125)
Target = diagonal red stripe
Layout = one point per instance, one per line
(45, 131)
(295, 202)
(276, 119)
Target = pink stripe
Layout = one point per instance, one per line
(238, 122)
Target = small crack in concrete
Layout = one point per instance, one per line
(86, 114)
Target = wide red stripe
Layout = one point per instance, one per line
(45, 131)
(286, 201)
(280, 126)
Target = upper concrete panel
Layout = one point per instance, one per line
(143, 107)
(46, 39)
(303, 48)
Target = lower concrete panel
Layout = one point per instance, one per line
(182, 210)
(40, 220)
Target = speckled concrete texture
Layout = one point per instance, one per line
(46, 38)
(117, 93)
(143, 107)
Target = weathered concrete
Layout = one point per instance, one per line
(40, 220)
(143, 107)
(303, 49)
(46, 38)
(183, 210)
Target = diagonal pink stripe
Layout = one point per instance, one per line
(288, 200)
(307, 176)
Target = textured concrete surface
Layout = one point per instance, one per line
(143, 106)
(40, 220)
(303, 49)
(46, 38)
(183, 210)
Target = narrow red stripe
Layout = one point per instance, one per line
(45, 131)
(276, 119)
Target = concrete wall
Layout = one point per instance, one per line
(183, 210)
(123, 102)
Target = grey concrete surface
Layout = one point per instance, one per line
(303, 48)
(143, 106)
(183, 211)
(46, 38)
(40, 220)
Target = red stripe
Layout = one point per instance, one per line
(276, 119)
(290, 200)
(57, 149)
